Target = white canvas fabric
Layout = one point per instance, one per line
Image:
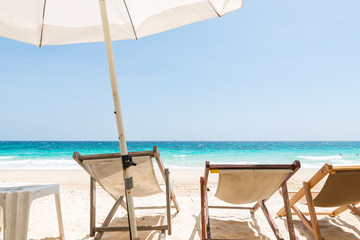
(52, 22)
(109, 174)
(238, 186)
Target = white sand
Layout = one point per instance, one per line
(74, 187)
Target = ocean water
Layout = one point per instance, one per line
(179, 154)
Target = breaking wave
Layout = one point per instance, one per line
(320, 158)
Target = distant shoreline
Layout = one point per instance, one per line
(181, 141)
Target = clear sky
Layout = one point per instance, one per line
(274, 70)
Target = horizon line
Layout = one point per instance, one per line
(181, 140)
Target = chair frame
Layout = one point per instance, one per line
(205, 217)
(312, 225)
(98, 232)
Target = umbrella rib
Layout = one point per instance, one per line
(212, 6)
(132, 24)
(42, 24)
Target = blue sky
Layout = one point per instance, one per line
(274, 70)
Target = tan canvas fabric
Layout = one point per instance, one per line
(339, 189)
(246, 186)
(108, 173)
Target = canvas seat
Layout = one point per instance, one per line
(245, 184)
(337, 191)
(107, 171)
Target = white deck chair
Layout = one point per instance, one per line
(243, 184)
(106, 170)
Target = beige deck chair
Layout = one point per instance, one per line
(340, 190)
(242, 184)
(106, 170)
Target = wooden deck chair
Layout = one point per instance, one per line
(243, 184)
(106, 170)
(339, 190)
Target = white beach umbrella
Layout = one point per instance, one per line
(55, 22)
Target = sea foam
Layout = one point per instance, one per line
(320, 158)
(41, 164)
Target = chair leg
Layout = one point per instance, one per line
(168, 201)
(202, 211)
(289, 219)
(59, 216)
(353, 209)
(303, 218)
(1, 217)
(270, 220)
(174, 200)
(312, 212)
(208, 232)
(162, 170)
(92, 206)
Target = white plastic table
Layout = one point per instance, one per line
(15, 201)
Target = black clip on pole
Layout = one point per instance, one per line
(127, 161)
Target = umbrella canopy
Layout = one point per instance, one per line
(52, 22)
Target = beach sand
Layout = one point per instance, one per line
(74, 192)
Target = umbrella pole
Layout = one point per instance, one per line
(120, 124)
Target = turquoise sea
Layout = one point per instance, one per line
(178, 154)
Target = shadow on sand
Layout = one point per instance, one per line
(330, 228)
(141, 221)
(229, 229)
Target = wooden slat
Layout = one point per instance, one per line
(289, 220)
(254, 166)
(255, 207)
(162, 170)
(320, 213)
(162, 235)
(270, 220)
(168, 200)
(354, 209)
(306, 222)
(226, 239)
(152, 207)
(202, 210)
(229, 207)
(125, 229)
(206, 172)
(92, 206)
(341, 210)
(313, 217)
(112, 155)
(208, 229)
(345, 168)
(162, 232)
